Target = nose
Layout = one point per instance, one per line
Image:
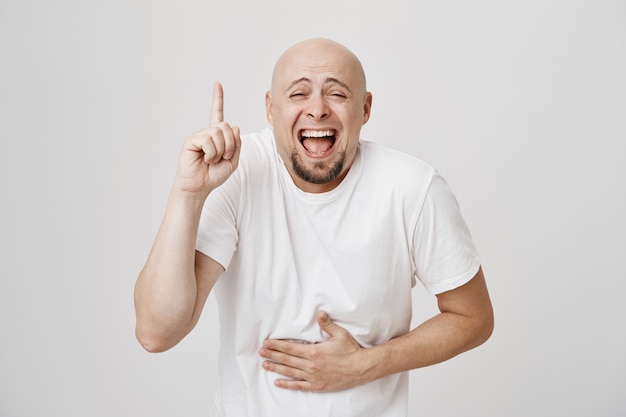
(317, 108)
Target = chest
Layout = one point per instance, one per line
(347, 258)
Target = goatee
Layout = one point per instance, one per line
(321, 173)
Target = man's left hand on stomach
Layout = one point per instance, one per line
(334, 365)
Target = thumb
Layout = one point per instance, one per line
(328, 325)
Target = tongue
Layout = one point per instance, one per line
(317, 145)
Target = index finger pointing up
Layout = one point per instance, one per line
(217, 106)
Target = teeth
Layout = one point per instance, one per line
(317, 133)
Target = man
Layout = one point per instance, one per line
(316, 238)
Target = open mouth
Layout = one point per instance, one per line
(317, 142)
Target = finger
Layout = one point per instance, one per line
(286, 371)
(210, 144)
(232, 147)
(295, 385)
(328, 325)
(280, 347)
(199, 143)
(287, 359)
(220, 136)
(210, 153)
(217, 106)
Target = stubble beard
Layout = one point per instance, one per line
(321, 172)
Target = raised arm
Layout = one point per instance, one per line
(176, 280)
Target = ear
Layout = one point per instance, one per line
(268, 108)
(367, 107)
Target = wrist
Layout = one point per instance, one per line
(186, 204)
(373, 363)
(191, 199)
(366, 360)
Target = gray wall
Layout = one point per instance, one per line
(520, 104)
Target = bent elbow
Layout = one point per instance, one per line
(151, 347)
(152, 343)
(489, 330)
(486, 328)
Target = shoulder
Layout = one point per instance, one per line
(258, 162)
(394, 167)
(258, 152)
(258, 144)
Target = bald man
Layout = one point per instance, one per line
(311, 240)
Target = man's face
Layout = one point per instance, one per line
(317, 106)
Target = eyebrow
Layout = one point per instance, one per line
(326, 81)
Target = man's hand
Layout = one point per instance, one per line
(336, 364)
(211, 155)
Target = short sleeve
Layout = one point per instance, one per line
(217, 231)
(443, 251)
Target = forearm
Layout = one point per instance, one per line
(166, 290)
(340, 363)
(466, 321)
(436, 340)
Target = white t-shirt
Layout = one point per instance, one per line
(354, 252)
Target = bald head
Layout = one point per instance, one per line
(318, 54)
(318, 91)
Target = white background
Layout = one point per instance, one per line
(520, 104)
